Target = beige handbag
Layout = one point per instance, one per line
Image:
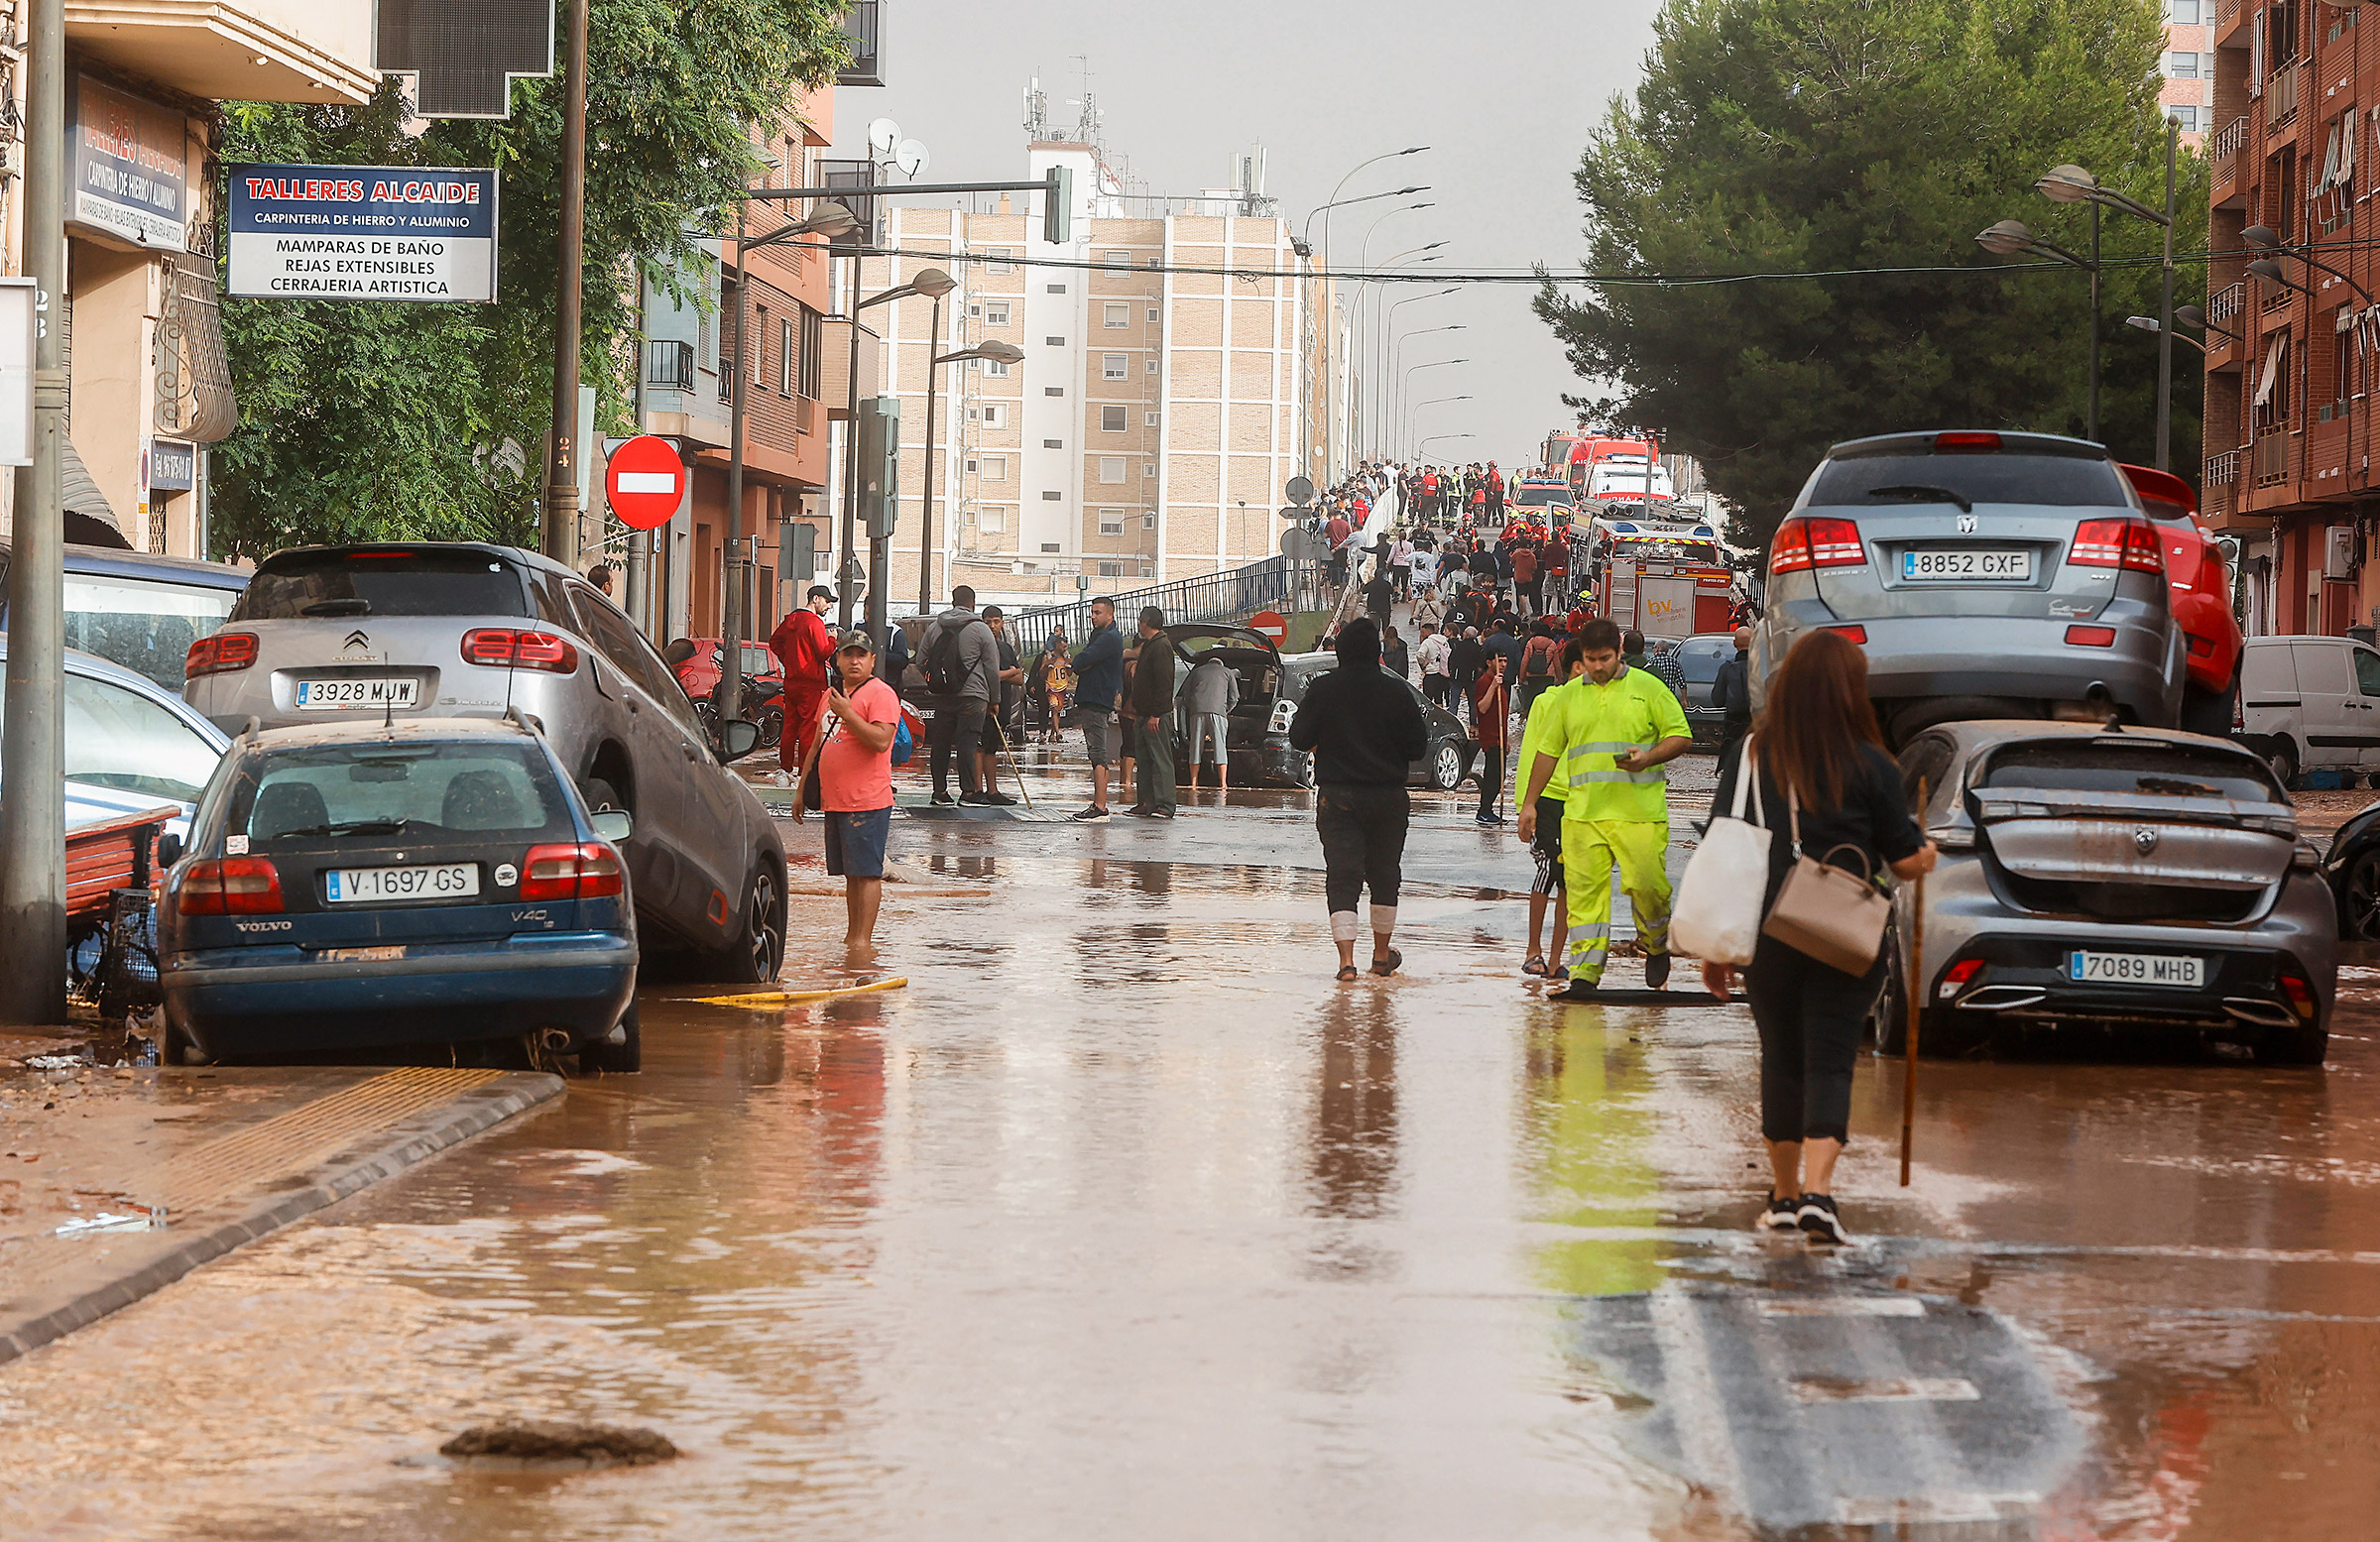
(1830, 913)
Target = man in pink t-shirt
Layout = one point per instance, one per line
(853, 756)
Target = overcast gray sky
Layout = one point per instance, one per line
(1503, 92)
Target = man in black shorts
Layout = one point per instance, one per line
(1546, 846)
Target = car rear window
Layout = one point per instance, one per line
(417, 790)
(145, 627)
(2153, 768)
(306, 584)
(1985, 478)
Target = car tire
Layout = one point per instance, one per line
(178, 1048)
(2282, 757)
(1447, 768)
(2295, 1046)
(2209, 712)
(600, 794)
(597, 1059)
(759, 950)
(2359, 897)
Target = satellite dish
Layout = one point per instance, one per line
(912, 157)
(884, 136)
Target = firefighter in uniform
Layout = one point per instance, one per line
(1617, 729)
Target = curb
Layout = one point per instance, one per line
(412, 1141)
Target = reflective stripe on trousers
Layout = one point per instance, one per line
(1590, 848)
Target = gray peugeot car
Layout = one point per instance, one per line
(2137, 877)
(401, 631)
(1987, 574)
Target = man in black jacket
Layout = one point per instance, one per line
(1365, 728)
(1733, 693)
(1153, 713)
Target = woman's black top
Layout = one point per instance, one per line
(1872, 814)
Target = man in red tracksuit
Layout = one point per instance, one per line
(805, 652)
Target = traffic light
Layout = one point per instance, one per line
(879, 462)
(1057, 206)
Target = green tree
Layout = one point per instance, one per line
(1803, 136)
(379, 420)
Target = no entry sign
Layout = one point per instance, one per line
(1269, 624)
(645, 482)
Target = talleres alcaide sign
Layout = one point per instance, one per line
(362, 232)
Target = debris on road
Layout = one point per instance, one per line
(544, 1442)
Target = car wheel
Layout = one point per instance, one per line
(1446, 767)
(599, 1058)
(2295, 1046)
(178, 1048)
(2208, 712)
(2282, 757)
(1888, 1020)
(2359, 898)
(759, 950)
(1302, 774)
(600, 794)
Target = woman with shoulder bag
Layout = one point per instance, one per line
(1821, 762)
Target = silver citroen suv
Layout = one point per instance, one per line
(401, 631)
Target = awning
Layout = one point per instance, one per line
(80, 495)
(2344, 319)
(2271, 370)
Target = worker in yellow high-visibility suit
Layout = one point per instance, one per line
(1616, 731)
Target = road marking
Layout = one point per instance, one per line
(1698, 1416)
(1842, 1306)
(1939, 1510)
(1904, 1389)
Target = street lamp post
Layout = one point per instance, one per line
(1420, 450)
(1000, 353)
(2011, 238)
(1387, 328)
(927, 280)
(1418, 407)
(1405, 385)
(1389, 419)
(1364, 290)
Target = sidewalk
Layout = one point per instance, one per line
(151, 1172)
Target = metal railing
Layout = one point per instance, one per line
(2227, 301)
(863, 28)
(2224, 10)
(2224, 146)
(2281, 93)
(2222, 470)
(669, 365)
(1276, 583)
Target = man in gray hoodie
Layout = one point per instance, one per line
(961, 664)
(1206, 698)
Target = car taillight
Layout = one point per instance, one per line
(586, 870)
(1968, 442)
(2299, 993)
(1806, 544)
(1852, 630)
(220, 653)
(230, 885)
(2127, 543)
(1960, 974)
(2090, 636)
(510, 647)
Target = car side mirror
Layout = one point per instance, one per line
(169, 849)
(738, 739)
(613, 824)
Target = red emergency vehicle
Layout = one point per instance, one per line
(1665, 580)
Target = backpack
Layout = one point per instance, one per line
(902, 745)
(1538, 662)
(943, 676)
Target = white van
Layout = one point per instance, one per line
(2309, 703)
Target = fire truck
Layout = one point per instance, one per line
(1664, 580)
(1607, 472)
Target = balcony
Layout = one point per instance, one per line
(2281, 93)
(2223, 149)
(2224, 306)
(272, 51)
(863, 28)
(2271, 458)
(669, 365)
(2222, 470)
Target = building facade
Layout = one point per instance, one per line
(1169, 392)
(149, 388)
(2188, 91)
(2288, 415)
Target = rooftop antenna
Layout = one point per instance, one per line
(1036, 110)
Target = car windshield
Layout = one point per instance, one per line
(2148, 766)
(145, 627)
(331, 584)
(1987, 478)
(1541, 497)
(117, 738)
(408, 788)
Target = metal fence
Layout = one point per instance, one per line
(1277, 584)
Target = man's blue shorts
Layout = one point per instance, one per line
(855, 841)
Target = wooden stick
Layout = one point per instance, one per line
(1012, 766)
(1915, 987)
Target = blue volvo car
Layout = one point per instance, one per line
(348, 886)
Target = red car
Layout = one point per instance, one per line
(2201, 599)
(698, 672)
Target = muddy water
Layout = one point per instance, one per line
(1123, 1219)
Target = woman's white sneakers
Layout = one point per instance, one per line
(1820, 1222)
(1782, 1214)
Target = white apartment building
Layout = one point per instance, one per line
(1166, 389)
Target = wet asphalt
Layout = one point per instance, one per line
(1123, 1219)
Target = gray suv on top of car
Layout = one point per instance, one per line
(1987, 576)
(404, 631)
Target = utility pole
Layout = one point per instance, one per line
(560, 534)
(33, 808)
(2164, 315)
(731, 633)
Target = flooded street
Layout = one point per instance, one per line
(1124, 1219)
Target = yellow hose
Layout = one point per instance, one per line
(797, 997)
